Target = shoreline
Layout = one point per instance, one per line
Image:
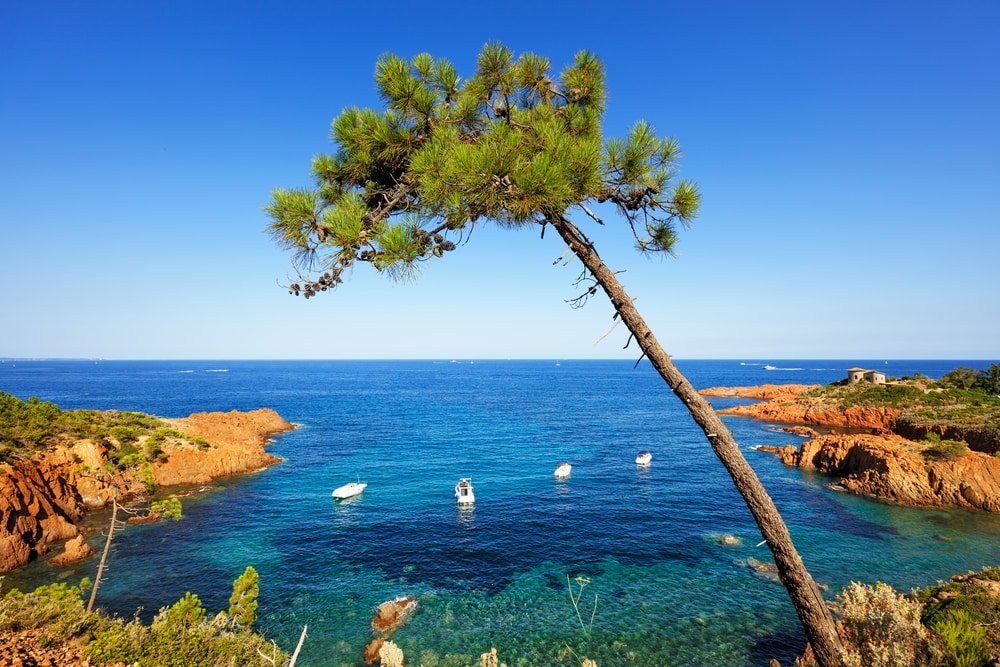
(45, 499)
(865, 453)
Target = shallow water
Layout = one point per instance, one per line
(495, 575)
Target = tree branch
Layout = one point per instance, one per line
(591, 214)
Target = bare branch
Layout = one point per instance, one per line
(591, 214)
(608, 332)
(298, 647)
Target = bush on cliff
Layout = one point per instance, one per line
(966, 613)
(943, 450)
(56, 608)
(881, 628)
(180, 635)
(964, 638)
(131, 438)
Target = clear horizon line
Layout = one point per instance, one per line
(461, 358)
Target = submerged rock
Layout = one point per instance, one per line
(393, 614)
(730, 541)
(370, 654)
(766, 570)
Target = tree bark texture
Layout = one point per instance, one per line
(805, 595)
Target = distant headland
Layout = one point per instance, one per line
(55, 465)
(911, 440)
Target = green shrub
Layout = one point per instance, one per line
(56, 608)
(944, 450)
(965, 641)
(961, 377)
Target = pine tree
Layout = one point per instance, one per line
(243, 601)
(516, 146)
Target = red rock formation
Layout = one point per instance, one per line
(784, 403)
(393, 614)
(76, 550)
(764, 392)
(41, 499)
(370, 652)
(890, 467)
(805, 412)
(237, 439)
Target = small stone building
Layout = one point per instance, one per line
(855, 375)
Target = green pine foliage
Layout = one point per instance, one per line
(514, 144)
(182, 635)
(169, 508)
(243, 601)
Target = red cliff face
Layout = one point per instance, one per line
(237, 439)
(883, 463)
(763, 392)
(803, 412)
(785, 404)
(888, 467)
(41, 499)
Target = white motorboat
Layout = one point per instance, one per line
(349, 490)
(644, 458)
(563, 470)
(463, 492)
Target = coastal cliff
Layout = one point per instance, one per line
(891, 449)
(42, 496)
(787, 404)
(890, 468)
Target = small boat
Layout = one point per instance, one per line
(463, 492)
(644, 458)
(563, 471)
(349, 490)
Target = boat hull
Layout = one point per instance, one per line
(349, 490)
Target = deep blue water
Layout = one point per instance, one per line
(667, 593)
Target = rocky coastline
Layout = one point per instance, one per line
(872, 451)
(43, 498)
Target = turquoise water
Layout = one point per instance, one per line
(667, 593)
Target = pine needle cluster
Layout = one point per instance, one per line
(514, 144)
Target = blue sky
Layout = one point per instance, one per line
(846, 152)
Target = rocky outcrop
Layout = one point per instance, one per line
(75, 550)
(804, 412)
(393, 614)
(786, 404)
(877, 458)
(42, 498)
(237, 440)
(892, 468)
(762, 392)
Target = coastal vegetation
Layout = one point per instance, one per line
(949, 624)
(953, 624)
(131, 438)
(53, 620)
(519, 146)
(962, 397)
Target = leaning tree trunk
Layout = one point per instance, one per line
(104, 555)
(805, 595)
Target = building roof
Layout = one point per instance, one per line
(857, 369)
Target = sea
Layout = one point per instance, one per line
(638, 547)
